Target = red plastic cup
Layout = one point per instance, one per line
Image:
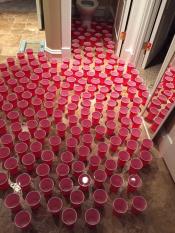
(46, 185)
(55, 142)
(123, 158)
(49, 106)
(96, 118)
(125, 122)
(139, 205)
(86, 125)
(77, 168)
(62, 170)
(33, 200)
(75, 131)
(32, 126)
(2, 127)
(77, 198)
(135, 134)
(4, 153)
(100, 177)
(71, 144)
(67, 158)
(85, 113)
(12, 98)
(135, 166)
(137, 121)
(132, 146)
(22, 220)
(83, 153)
(61, 129)
(102, 150)
(7, 140)
(123, 133)
(36, 148)
(146, 157)
(58, 115)
(87, 140)
(84, 181)
(92, 217)
(24, 137)
(7, 107)
(123, 111)
(100, 198)
(47, 157)
(152, 113)
(100, 132)
(21, 149)
(13, 116)
(99, 107)
(4, 185)
(75, 99)
(43, 170)
(115, 142)
(72, 107)
(28, 160)
(134, 183)
(69, 217)
(24, 181)
(61, 103)
(110, 167)
(147, 144)
(12, 202)
(66, 186)
(55, 205)
(94, 162)
(156, 122)
(116, 182)
(45, 125)
(40, 135)
(120, 207)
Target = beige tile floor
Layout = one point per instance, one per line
(18, 21)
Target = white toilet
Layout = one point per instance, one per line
(87, 9)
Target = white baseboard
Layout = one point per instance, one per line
(53, 51)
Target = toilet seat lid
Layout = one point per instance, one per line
(87, 3)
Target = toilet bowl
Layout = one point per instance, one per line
(87, 9)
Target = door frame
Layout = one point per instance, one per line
(167, 60)
(154, 31)
(123, 24)
(66, 18)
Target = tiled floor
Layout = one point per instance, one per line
(18, 21)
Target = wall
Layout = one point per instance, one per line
(52, 24)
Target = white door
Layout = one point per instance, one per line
(160, 30)
(120, 22)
